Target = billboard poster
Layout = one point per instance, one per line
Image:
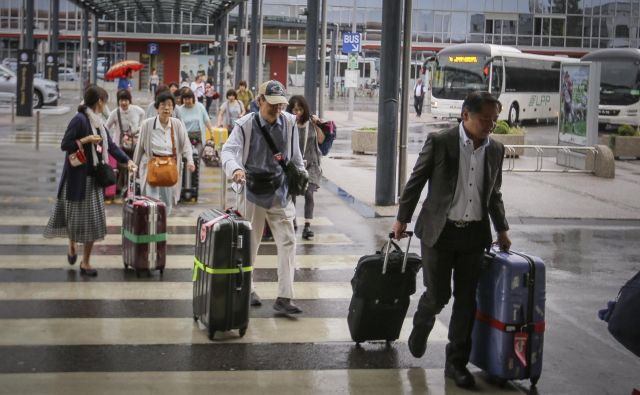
(192, 65)
(574, 103)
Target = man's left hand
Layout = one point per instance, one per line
(504, 242)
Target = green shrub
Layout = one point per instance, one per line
(502, 127)
(627, 130)
(517, 130)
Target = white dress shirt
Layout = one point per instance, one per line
(467, 200)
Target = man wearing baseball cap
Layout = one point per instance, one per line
(247, 158)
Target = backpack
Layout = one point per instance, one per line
(329, 130)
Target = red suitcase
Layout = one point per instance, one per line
(144, 232)
(110, 192)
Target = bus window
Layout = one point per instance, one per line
(456, 76)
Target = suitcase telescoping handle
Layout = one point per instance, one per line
(240, 188)
(131, 185)
(406, 253)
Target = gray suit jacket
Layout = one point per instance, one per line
(438, 163)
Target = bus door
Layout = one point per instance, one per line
(495, 69)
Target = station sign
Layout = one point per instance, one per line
(351, 42)
(153, 49)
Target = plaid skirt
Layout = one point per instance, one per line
(81, 221)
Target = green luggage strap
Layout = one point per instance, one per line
(197, 265)
(143, 239)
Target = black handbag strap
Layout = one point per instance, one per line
(272, 145)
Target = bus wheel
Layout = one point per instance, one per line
(513, 114)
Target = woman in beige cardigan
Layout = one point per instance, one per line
(155, 139)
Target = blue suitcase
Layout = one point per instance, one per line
(508, 333)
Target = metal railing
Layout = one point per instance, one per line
(511, 152)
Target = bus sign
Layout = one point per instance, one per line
(463, 59)
(351, 42)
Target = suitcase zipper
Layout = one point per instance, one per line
(153, 220)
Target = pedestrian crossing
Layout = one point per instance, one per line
(117, 333)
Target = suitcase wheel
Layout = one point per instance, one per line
(137, 273)
(499, 381)
(211, 334)
(195, 318)
(243, 331)
(534, 381)
(161, 272)
(125, 266)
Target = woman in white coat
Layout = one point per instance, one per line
(155, 139)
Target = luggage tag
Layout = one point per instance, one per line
(206, 226)
(520, 340)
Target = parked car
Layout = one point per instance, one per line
(64, 74)
(10, 63)
(44, 91)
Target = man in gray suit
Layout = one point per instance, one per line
(464, 169)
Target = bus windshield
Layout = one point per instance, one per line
(455, 76)
(619, 83)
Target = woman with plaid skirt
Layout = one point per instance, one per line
(79, 210)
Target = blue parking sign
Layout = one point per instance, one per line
(351, 42)
(153, 49)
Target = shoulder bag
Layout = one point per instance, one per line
(102, 171)
(297, 180)
(126, 138)
(163, 170)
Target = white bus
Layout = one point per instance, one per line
(619, 85)
(527, 85)
(367, 67)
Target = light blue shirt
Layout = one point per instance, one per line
(195, 118)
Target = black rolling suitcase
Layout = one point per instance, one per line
(381, 285)
(190, 181)
(222, 271)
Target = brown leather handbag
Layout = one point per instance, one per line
(163, 170)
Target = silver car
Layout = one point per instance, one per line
(44, 91)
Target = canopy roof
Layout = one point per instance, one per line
(200, 9)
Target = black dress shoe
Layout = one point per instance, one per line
(285, 306)
(72, 259)
(461, 375)
(418, 340)
(88, 272)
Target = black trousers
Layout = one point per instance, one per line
(417, 104)
(458, 253)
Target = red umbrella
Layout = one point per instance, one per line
(119, 70)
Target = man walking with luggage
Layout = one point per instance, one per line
(464, 169)
(247, 156)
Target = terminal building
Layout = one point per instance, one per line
(186, 39)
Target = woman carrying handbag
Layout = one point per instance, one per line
(79, 210)
(163, 140)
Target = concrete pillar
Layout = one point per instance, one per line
(94, 51)
(223, 53)
(240, 42)
(84, 45)
(253, 49)
(28, 24)
(388, 103)
(311, 54)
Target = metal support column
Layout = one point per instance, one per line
(311, 55)
(223, 53)
(323, 55)
(84, 44)
(253, 49)
(404, 103)
(29, 25)
(94, 50)
(216, 53)
(332, 62)
(240, 29)
(51, 61)
(388, 103)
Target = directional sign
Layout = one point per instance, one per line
(351, 42)
(352, 62)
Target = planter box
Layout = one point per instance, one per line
(364, 141)
(622, 146)
(510, 139)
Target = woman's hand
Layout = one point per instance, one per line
(315, 119)
(93, 139)
(131, 165)
(191, 167)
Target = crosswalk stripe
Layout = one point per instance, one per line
(173, 239)
(319, 382)
(35, 262)
(139, 331)
(116, 220)
(155, 290)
